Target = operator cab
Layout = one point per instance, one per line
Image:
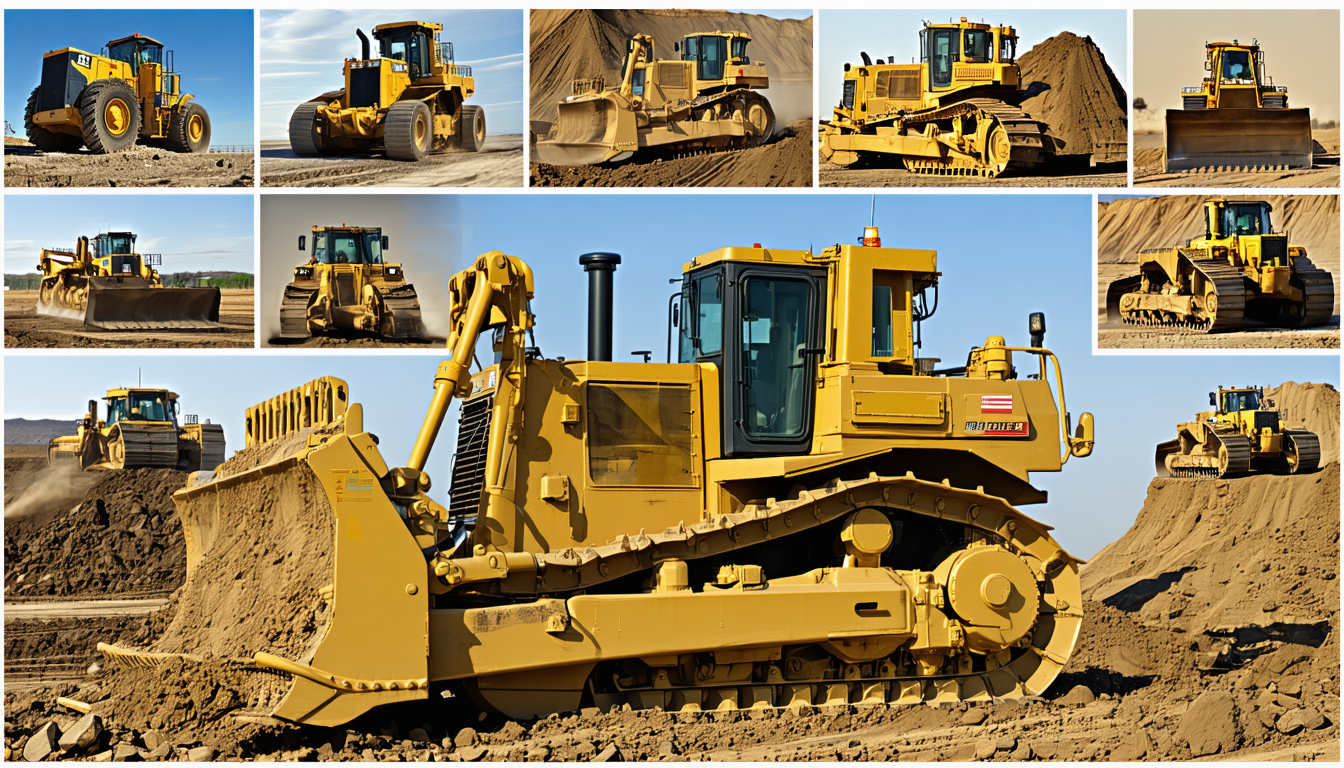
(136, 50)
(1247, 219)
(141, 405)
(1236, 401)
(409, 42)
(348, 246)
(113, 243)
(940, 46)
(711, 53)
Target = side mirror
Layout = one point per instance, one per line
(303, 242)
(676, 315)
(1213, 399)
(1036, 324)
(385, 242)
(846, 66)
(676, 47)
(1084, 438)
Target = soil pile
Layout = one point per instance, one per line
(1084, 105)
(1314, 407)
(137, 167)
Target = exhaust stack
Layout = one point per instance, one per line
(600, 267)
(363, 45)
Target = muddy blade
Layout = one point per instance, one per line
(582, 134)
(133, 305)
(1206, 138)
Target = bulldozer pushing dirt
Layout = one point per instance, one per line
(1237, 117)
(108, 103)
(1242, 434)
(347, 287)
(1241, 269)
(409, 102)
(954, 114)
(706, 100)
(801, 511)
(104, 283)
(140, 430)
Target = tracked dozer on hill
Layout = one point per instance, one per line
(1242, 434)
(954, 114)
(801, 511)
(1237, 117)
(347, 287)
(108, 103)
(140, 430)
(707, 100)
(410, 102)
(105, 283)
(1241, 269)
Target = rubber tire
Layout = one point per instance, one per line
(400, 127)
(92, 103)
(472, 136)
(178, 138)
(304, 137)
(47, 141)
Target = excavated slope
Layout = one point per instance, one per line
(1084, 105)
(1314, 407)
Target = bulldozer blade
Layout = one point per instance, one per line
(1117, 289)
(133, 305)
(584, 133)
(1205, 138)
(1163, 451)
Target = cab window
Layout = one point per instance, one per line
(702, 318)
(774, 370)
(1245, 220)
(979, 46)
(1007, 49)
(147, 406)
(1236, 65)
(637, 82)
(344, 249)
(373, 246)
(740, 50)
(942, 51)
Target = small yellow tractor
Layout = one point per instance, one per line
(953, 114)
(105, 283)
(140, 430)
(1241, 269)
(408, 103)
(347, 287)
(1237, 117)
(109, 102)
(707, 99)
(1242, 433)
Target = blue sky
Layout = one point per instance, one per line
(217, 67)
(193, 232)
(302, 54)
(1002, 257)
(896, 33)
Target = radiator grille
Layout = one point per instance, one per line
(365, 86)
(1275, 249)
(1265, 419)
(345, 289)
(904, 84)
(1237, 98)
(61, 83)
(1194, 102)
(672, 75)
(124, 265)
(473, 438)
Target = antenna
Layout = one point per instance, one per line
(872, 209)
(139, 380)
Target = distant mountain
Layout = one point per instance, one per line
(36, 431)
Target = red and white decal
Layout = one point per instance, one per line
(996, 403)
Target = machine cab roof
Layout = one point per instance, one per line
(348, 245)
(136, 404)
(136, 50)
(411, 41)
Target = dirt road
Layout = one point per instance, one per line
(139, 167)
(25, 328)
(82, 609)
(1148, 154)
(893, 175)
(498, 164)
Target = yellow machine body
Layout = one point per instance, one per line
(140, 429)
(705, 100)
(1237, 117)
(409, 102)
(1242, 433)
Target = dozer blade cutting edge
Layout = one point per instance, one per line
(1205, 138)
(587, 133)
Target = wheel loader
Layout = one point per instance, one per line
(1236, 117)
(1242, 433)
(801, 511)
(953, 114)
(109, 102)
(105, 283)
(706, 100)
(1241, 269)
(409, 102)
(347, 287)
(140, 430)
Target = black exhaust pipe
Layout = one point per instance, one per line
(363, 44)
(600, 267)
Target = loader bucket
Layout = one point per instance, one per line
(1205, 138)
(586, 133)
(132, 304)
(304, 586)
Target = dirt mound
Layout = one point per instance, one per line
(784, 162)
(1084, 105)
(138, 167)
(577, 44)
(1314, 407)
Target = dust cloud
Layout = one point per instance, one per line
(791, 100)
(52, 490)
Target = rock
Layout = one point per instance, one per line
(1209, 726)
(81, 736)
(588, 713)
(465, 737)
(43, 742)
(160, 752)
(511, 731)
(326, 752)
(447, 743)
(125, 753)
(984, 750)
(538, 754)
(666, 749)
(201, 754)
(1298, 720)
(584, 748)
(1292, 688)
(472, 754)
(608, 755)
(1005, 743)
(1022, 753)
(152, 739)
(418, 735)
(1132, 748)
(1080, 695)
(974, 717)
(103, 757)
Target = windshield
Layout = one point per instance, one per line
(373, 247)
(139, 406)
(637, 82)
(116, 243)
(709, 53)
(1236, 65)
(740, 50)
(979, 46)
(1246, 220)
(149, 53)
(1241, 401)
(774, 335)
(940, 52)
(1007, 49)
(408, 46)
(701, 332)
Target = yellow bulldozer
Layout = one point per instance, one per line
(1236, 117)
(131, 93)
(705, 100)
(409, 102)
(346, 287)
(1242, 433)
(953, 114)
(105, 283)
(140, 429)
(1240, 269)
(801, 510)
